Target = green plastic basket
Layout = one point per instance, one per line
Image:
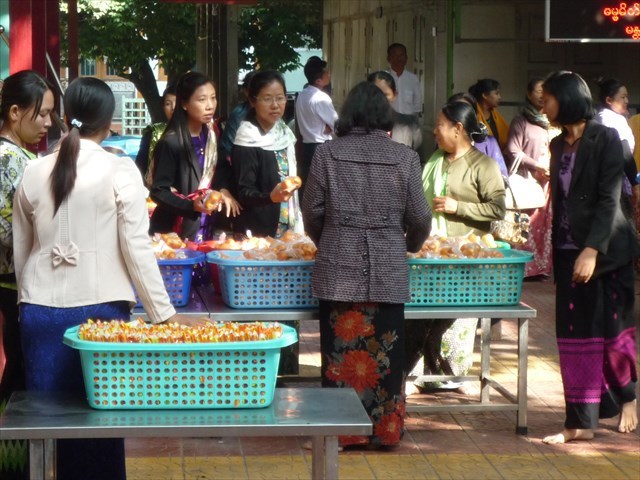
(467, 281)
(176, 376)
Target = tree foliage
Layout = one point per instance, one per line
(270, 32)
(131, 32)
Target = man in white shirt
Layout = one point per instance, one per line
(315, 114)
(409, 98)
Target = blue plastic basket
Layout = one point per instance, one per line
(177, 274)
(467, 281)
(263, 284)
(186, 375)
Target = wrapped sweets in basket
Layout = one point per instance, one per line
(133, 365)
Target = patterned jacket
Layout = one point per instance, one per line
(364, 208)
(13, 161)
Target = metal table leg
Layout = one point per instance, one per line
(42, 459)
(523, 358)
(485, 360)
(324, 454)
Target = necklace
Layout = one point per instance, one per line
(9, 136)
(571, 144)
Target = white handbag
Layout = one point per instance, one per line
(522, 193)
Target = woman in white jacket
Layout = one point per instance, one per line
(80, 240)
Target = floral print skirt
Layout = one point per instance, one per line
(362, 346)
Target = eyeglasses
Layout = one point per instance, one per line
(280, 100)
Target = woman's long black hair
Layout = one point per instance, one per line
(187, 84)
(25, 89)
(88, 106)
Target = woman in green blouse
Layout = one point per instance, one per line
(466, 193)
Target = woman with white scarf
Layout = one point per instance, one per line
(263, 156)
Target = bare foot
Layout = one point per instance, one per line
(628, 417)
(568, 435)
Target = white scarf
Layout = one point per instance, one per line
(278, 138)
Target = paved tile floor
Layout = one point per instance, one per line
(436, 446)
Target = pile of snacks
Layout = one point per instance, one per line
(167, 246)
(229, 243)
(291, 246)
(469, 246)
(119, 331)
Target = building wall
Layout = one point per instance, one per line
(453, 43)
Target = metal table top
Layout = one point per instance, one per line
(195, 307)
(294, 412)
(219, 311)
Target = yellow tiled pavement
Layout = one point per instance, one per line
(213, 468)
(462, 466)
(154, 468)
(390, 467)
(401, 467)
(586, 467)
(268, 467)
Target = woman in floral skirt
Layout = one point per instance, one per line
(364, 208)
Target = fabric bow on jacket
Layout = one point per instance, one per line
(65, 253)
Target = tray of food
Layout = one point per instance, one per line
(176, 264)
(134, 365)
(465, 271)
(277, 275)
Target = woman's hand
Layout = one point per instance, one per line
(585, 265)
(199, 204)
(187, 320)
(281, 193)
(445, 205)
(541, 174)
(231, 204)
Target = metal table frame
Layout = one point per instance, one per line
(205, 302)
(44, 417)
(518, 401)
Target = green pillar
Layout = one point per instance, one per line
(4, 50)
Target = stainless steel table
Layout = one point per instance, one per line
(518, 401)
(195, 307)
(522, 313)
(323, 414)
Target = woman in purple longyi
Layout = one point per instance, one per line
(593, 248)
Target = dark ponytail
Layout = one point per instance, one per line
(463, 112)
(482, 86)
(608, 87)
(88, 105)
